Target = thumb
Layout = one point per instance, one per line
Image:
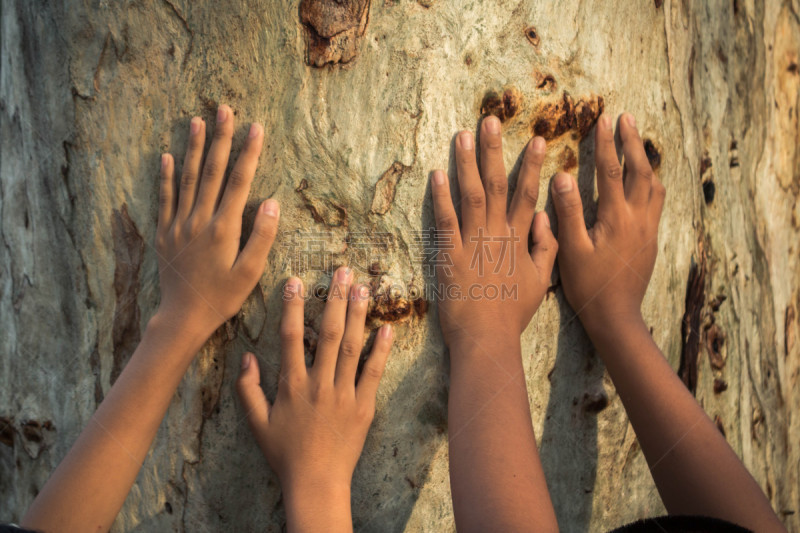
(248, 386)
(569, 210)
(545, 245)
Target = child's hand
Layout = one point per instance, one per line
(314, 433)
(489, 263)
(605, 271)
(204, 277)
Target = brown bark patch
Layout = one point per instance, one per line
(323, 210)
(690, 325)
(555, 119)
(532, 35)
(715, 339)
(502, 105)
(128, 254)
(333, 29)
(383, 198)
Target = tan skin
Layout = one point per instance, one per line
(605, 271)
(489, 413)
(204, 280)
(313, 434)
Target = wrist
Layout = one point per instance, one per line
(607, 329)
(182, 339)
(317, 505)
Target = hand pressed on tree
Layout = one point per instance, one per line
(204, 277)
(313, 434)
(605, 270)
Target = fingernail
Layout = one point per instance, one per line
(245, 360)
(293, 286)
(605, 122)
(438, 178)
(343, 274)
(631, 120)
(255, 130)
(222, 114)
(386, 331)
(194, 126)
(270, 208)
(563, 183)
(465, 138)
(164, 161)
(538, 145)
(546, 218)
(492, 124)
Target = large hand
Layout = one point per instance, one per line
(313, 435)
(204, 278)
(489, 282)
(605, 270)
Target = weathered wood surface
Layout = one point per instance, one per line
(92, 91)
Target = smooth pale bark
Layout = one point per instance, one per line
(92, 92)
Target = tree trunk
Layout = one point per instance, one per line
(359, 102)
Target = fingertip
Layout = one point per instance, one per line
(629, 119)
(439, 178)
(271, 208)
(256, 131)
(359, 294)
(538, 145)
(293, 288)
(466, 140)
(491, 125)
(605, 123)
(223, 112)
(386, 332)
(563, 183)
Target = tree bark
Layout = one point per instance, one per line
(359, 103)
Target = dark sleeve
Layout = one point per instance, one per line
(11, 528)
(681, 524)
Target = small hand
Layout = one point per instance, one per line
(490, 283)
(314, 433)
(204, 277)
(605, 270)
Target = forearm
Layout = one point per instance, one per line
(82, 494)
(315, 506)
(496, 476)
(694, 468)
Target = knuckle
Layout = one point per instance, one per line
(221, 132)
(249, 270)
(530, 195)
(613, 172)
(659, 189)
(237, 179)
(212, 168)
(192, 226)
(475, 199)
(320, 391)
(373, 372)
(366, 413)
(188, 179)
(350, 350)
(219, 231)
(644, 172)
(290, 333)
(330, 334)
(161, 242)
(497, 185)
(447, 222)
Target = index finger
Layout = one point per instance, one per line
(237, 187)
